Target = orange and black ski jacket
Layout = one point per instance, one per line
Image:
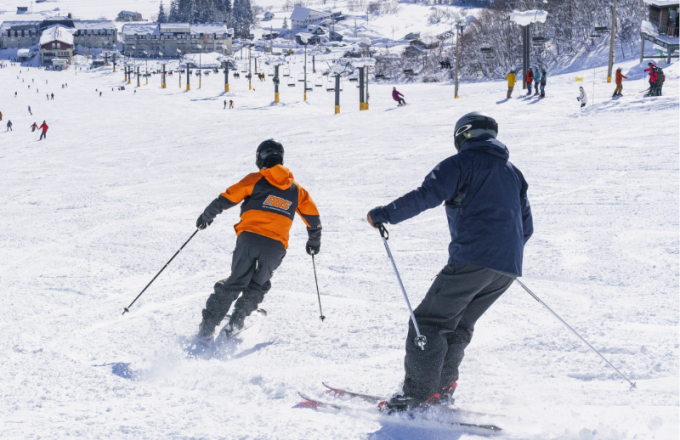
(270, 200)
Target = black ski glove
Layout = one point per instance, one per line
(312, 248)
(202, 224)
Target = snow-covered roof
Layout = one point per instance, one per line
(650, 28)
(301, 14)
(24, 52)
(209, 28)
(665, 3)
(129, 13)
(94, 24)
(18, 25)
(527, 17)
(57, 33)
(140, 29)
(175, 27)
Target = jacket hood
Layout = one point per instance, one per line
(279, 176)
(489, 145)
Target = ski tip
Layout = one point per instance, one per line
(333, 390)
(308, 403)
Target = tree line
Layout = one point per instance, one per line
(239, 16)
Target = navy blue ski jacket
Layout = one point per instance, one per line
(486, 206)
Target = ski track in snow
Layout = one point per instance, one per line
(93, 212)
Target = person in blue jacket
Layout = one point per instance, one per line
(490, 222)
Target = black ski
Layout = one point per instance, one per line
(316, 404)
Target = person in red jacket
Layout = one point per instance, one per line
(44, 128)
(652, 75)
(398, 96)
(619, 81)
(530, 79)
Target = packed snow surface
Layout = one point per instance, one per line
(91, 214)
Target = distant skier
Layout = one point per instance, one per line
(537, 80)
(100, 94)
(529, 80)
(0, 116)
(270, 200)
(15, 94)
(29, 110)
(582, 97)
(34, 127)
(511, 82)
(44, 128)
(398, 97)
(231, 104)
(490, 222)
(652, 76)
(225, 104)
(9, 126)
(659, 80)
(619, 83)
(544, 81)
(52, 96)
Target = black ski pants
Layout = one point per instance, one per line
(43, 135)
(253, 264)
(456, 300)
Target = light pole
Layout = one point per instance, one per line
(200, 65)
(188, 77)
(146, 66)
(179, 67)
(459, 27)
(250, 69)
(132, 48)
(611, 45)
(304, 39)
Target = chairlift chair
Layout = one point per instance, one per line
(330, 84)
(599, 29)
(301, 77)
(354, 78)
(270, 72)
(538, 41)
(318, 82)
(308, 86)
(291, 82)
(286, 72)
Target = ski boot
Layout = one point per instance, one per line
(447, 394)
(236, 322)
(402, 403)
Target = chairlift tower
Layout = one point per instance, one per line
(611, 45)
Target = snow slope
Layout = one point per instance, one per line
(93, 212)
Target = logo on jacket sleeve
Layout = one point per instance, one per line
(277, 203)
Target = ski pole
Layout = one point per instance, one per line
(127, 309)
(317, 290)
(632, 384)
(420, 340)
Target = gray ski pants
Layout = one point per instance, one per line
(253, 264)
(456, 300)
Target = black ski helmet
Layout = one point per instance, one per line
(473, 125)
(269, 153)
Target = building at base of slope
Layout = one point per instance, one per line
(169, 40)
(56, 43)
(87, 33)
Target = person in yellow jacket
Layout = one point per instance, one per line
(511, 82)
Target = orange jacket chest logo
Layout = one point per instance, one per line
(277, 202)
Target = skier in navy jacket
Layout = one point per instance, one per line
(490, 222)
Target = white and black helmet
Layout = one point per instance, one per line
(473, 125)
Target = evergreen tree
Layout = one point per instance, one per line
(285, 23)
(173, 17)
(243, 18)
(161, 14)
